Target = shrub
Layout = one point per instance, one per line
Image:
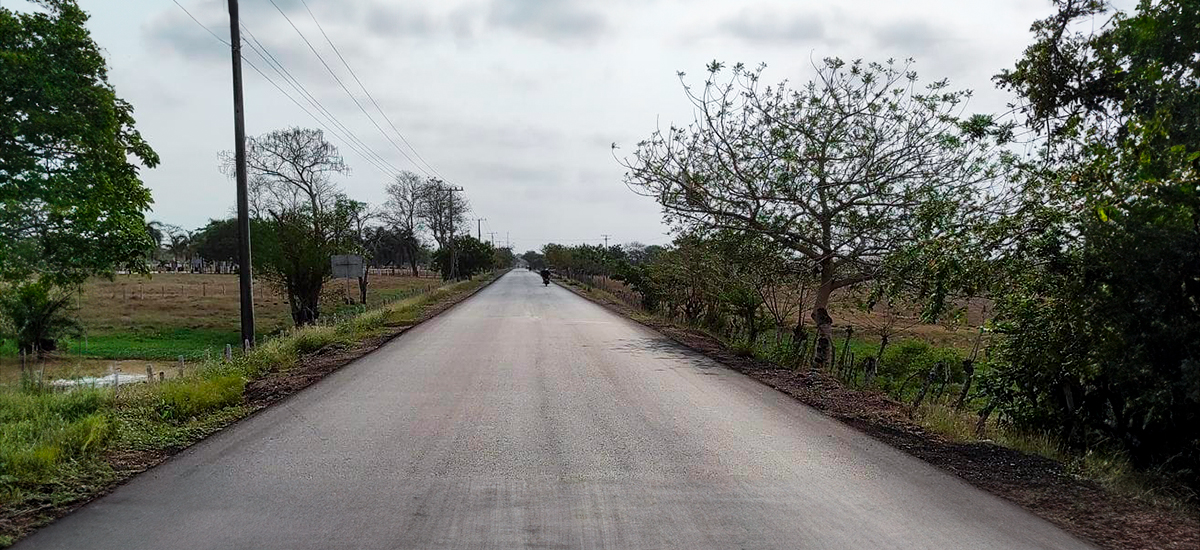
(911, 356)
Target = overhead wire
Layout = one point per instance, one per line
(363, 149)
(346, 89)
(368, 93)
(349, 143)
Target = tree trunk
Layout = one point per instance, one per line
(824, 345)
(925, 386)
(820, 316)
(869, 371)
(968, 373)
(362, 287)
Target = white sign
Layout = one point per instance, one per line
(347, 266)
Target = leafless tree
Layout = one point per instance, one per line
(402, 212)
(289, 170)
(442, 209)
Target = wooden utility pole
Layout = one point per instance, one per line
(479, 228)
(246, 284)
(606, 241)
(453, 249)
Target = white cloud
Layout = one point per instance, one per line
(516, 100)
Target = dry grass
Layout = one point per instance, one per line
(135, 320)
(202, 301)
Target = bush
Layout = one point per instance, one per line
(37, 314)
(180, 400)
(911, 356)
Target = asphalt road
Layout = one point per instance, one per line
(527, 417)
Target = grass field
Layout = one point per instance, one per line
(136, 320)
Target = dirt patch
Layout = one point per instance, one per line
(259, 394)
(1040, 485)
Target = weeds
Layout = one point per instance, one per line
(41, 430)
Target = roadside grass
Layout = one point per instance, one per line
(1110, 469)
(59, 447)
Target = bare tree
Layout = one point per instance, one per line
(291, 169)
(403, 212)
(442, 209)
(854, 166)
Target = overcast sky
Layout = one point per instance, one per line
(518, 101)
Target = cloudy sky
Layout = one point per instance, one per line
(518, 101)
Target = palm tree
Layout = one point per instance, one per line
(155, 230)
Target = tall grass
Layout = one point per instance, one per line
(39, 431)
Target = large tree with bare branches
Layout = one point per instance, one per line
(402, 212)
(842, 172)
(302, 216)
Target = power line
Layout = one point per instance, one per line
(344, 88)
(368, 93)
(349, 143)
(352, 139)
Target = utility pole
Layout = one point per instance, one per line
(245, 283)
(479, 228)
(453, 249)
(606, 241)
(492, 238)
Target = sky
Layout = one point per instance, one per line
(517, 101)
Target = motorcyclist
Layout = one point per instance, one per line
(545, 276)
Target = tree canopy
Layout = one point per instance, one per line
(71, 201)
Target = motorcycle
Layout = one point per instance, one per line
(545, 278)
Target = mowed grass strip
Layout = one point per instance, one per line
(57, 448)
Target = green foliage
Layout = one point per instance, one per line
(503, 258)
(464, 258)
(534, 259)
(180, 400)
(294, 259)
(1099, 299)
(71, 203)
(218, 241)
(37, 314)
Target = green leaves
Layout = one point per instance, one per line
(71, 204)
(1099, 287)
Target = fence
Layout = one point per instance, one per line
(181, 358)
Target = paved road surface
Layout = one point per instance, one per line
(527, 417)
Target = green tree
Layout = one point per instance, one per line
(218, 241)
(71, 202)
(503, 258)
(471, 255)
(840, 172)
(1099, 269)
(304, 218)
(534, 259)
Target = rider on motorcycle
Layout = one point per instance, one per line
(545, 276)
